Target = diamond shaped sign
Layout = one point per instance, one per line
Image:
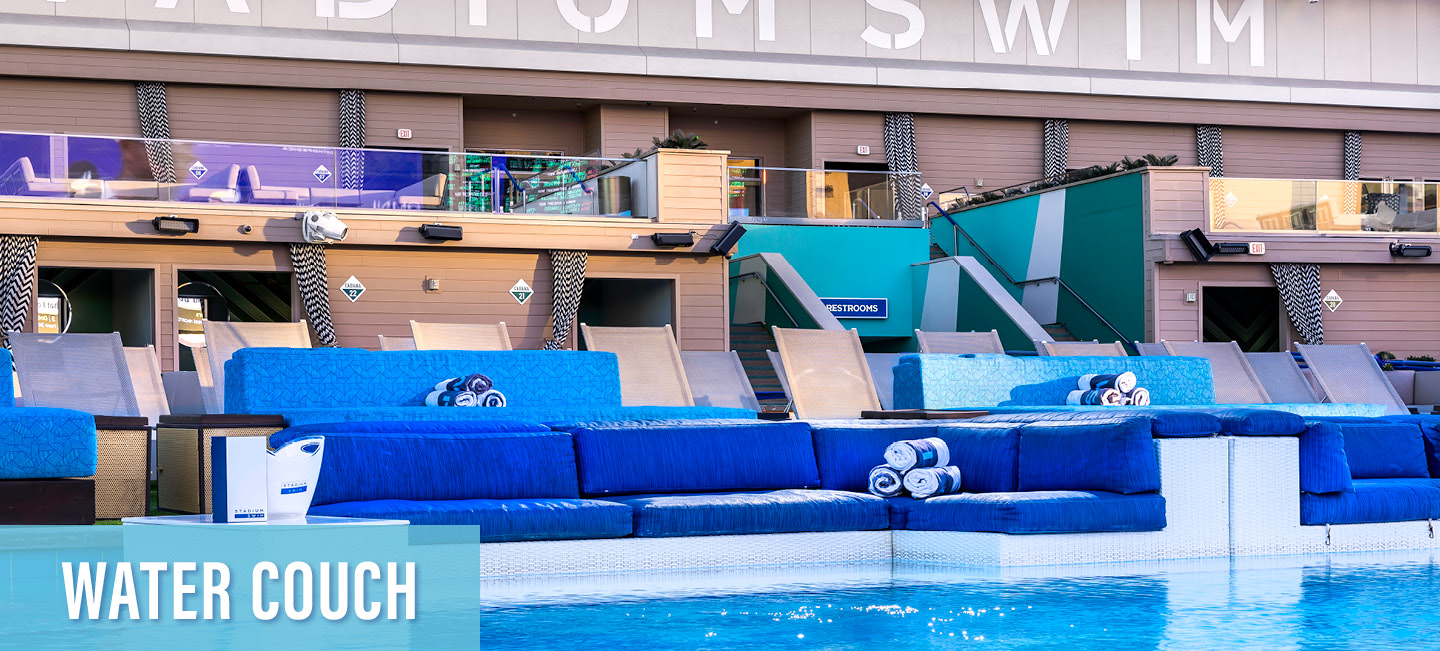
(1332, 300)
(322, 174)
(1231, 200)
(926, 191)
(352, 289)
(198, 169)
(521, 291)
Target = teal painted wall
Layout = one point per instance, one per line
(850, 262)
(1006, 232)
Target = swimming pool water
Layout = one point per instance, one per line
(1340, 601)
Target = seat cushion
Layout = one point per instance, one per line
(782, 511)
(1037, 512)
(1384, 450)
(1323, 465)
(626, 460)
(500, 520)
(1116, 456)
(985, 453)
(46, 443)
(1257, 421)
(1374, 500)
(1164, 423)
(566, 417)
(440, 461)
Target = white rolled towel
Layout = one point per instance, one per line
(1123, 382)
(1140, 397)
(886, 482)
(919, 453)
(929, 482)
(1096, 398)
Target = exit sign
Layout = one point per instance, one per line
(404, 134)
(1257, 248)
(863, 150)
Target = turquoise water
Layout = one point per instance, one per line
(1335, 602)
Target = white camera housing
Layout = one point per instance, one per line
(322, 227)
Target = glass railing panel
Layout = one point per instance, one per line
(536, 185)
(1306, 206)
(816, 194)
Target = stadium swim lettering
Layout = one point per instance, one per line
(340, 593)
(1001, 30)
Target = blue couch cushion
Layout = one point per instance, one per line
(46, 443)
(981, 381)
(565, 419)
(1257, 421)
(440, 461)
(1164, 423)
(782, 511)
(985, 453)
(1034, 512)
(1374, 500)
(620, 460)
(7, 384)
(277, 380)
(500, 520)
(1384, 450)
(1116, 456)
(1323, 464)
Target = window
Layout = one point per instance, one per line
(747, 187)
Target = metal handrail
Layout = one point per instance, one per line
(769, 291)
(1035, 281)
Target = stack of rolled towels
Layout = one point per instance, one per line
(473, 390)
(920, 467)
(1118, 390)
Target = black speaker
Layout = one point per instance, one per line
(673, 239)
(1198, 244)
(441, 232)
(728, 239)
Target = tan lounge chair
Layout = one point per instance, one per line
(827, 373)
(1349, 374)
(718, 379)
(1080, 349)
(651, 371)
(460, 336)
(959, 343)
(1235, 382)
(223, 338)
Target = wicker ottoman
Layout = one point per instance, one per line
(183, 454)
(122, 478)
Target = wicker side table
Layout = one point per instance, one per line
(122, 477)
(183, 454)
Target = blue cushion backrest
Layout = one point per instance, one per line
(273, 380)
(1164, 423)
(1384, 450)
(566, 419)
(1258, 421)
(1116, 456)
(1323, 464)
(46, 443)
(987, 456)
(960, 381)
(425, 461)
(695, 459)
(7, 384)
(985, 453)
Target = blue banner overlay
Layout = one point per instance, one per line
(240, 587)
(858, 308)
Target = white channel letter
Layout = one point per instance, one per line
(598, 25)
(1132, 30)
(235, 6)
(479, 13)
(354, 9)
(1251, 13)
(1046, 39)
(908, 38)
(705, 16)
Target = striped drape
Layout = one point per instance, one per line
(17, 281)
(900, 156)
(1210, 150)
(308, 260)
(352, 137)
(1056, 144)
(567, 270)
(1299, 286)
(1350, 201)
(155, 128)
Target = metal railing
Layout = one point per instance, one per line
(817, 194)
(57, 166)
(770, 292)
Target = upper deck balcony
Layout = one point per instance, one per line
(1401, 208)
(790, 195)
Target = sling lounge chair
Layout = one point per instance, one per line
(959, 343)
(1349, 374)
(827, 373)
(718, 379)
(460, 336)
(1283, 379)
(651, 371)
(1151, 350)
(1080, 349)
(223, 338)
(1235, 382)
(396, 343)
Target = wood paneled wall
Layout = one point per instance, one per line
(834, 135)
(955, 151)
(742, 137)
(286, 116)
(106, 108)
(437, 121)
(487, 128)
(1284, 153)
(1400, 156)
(1103, 143)
(623, 128)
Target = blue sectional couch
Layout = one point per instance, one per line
(1001, 383)
(320, 385)
(1355, 471)
(40, 442)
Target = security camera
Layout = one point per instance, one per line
(322, 227)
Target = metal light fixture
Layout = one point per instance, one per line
(173, 225)
(1400, 250)
(1203, 250)
(728, 239)
(442, 232)
(673, 239)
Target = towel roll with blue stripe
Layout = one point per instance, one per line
(451, 399)
(1097, 398)
(474, 383)
(929, 482)
(1139, 397)
(491, 398)
(920, 453)
(1123, 382)
(886, 482)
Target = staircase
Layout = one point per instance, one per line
(750, 341)
(1059, 332)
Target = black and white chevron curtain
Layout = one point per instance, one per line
(17, 281)
(1056, 147)
(352, 137)
(1350, 201)
(155, 128)
(900, 156)
(567, 271)
(1299, 286)
(1210, 148)
(308, 261)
